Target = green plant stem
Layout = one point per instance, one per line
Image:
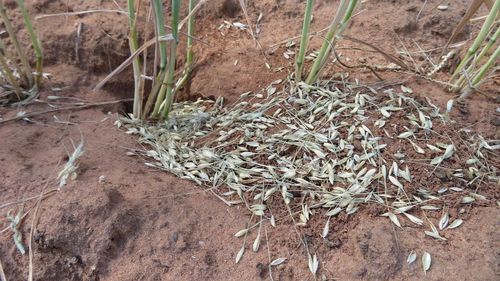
(304, 41)
(160, 31)
(10, 76)
(478, 78)
(136, 63)
(152, 98)
(188, 67)
(477, 60)
(348, 16)
(147, 28)
(163, 73)
(20, 51)
(490, 20)
(36, 44)
(342, 26)
(160, 98)
(169, 81)
(491, 42)
(486, 67)
(189, 54)
(341, 29)
(311, 78)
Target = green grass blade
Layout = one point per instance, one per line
(304, 40)
(173, 52)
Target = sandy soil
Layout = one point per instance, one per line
(121, 220)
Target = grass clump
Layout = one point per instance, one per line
(19, 81)
(162, 74)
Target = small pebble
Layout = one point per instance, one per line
(102, 179)
(174, 237)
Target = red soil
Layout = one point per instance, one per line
(144, 224)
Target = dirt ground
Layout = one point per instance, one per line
(120, 220)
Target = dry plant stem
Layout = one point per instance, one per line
(356, 66)
(250, 29)
(304, 40)
(473, 7)
(81, 13)
(489, 3)
(130, 59)
(296, 37)
(22, 218)
(479, 39)
(268, 255)
(191, 13)
(46, 194)
(247, 18)
(169, 78)
(35, 42)
(420, 11)
(34, 221)
(31, 114)
(20, 51)
(136, 63)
